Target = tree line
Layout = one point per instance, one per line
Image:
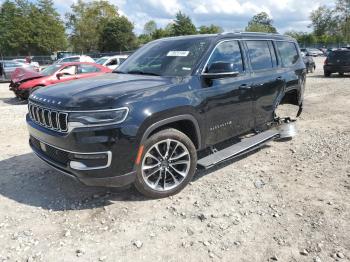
(330, 25)
(30, 28)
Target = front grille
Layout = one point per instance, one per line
(48, 118)
(54, 154)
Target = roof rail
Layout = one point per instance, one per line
(253, 33)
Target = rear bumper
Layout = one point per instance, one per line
(336, 69)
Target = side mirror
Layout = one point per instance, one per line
(220, 70)
(59, 75)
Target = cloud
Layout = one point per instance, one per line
(229, 14)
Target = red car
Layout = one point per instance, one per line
(23, 82)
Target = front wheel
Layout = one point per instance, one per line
(167, 164)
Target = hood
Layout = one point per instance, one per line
(102, 92)
(21, 74)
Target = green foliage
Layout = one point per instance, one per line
(150, 27)
(117, 35)
(261, 23)
(212, 29)
(87, 22)
(332, 24)
(183, 25)
(30, 28)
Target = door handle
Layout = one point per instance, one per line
(279, 78)
(244, 87)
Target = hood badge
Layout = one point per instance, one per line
(50, 101)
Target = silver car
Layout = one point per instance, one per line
(7, 67)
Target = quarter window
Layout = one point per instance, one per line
(228, 52)
(288, 52)
(260, 55)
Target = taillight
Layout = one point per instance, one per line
(326, 61)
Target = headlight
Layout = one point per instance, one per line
(96, 118)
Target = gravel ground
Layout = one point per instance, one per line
(286, 202)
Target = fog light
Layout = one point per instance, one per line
(77, 165)
(90, 161)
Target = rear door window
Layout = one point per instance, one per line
(84, 69)
(260, 54)
(340, 55)
(288, 52)
(229, 52)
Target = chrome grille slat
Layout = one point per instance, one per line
(48, 118)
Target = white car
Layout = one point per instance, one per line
(76, 58)
(112, 62)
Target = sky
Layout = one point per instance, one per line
(231, 15)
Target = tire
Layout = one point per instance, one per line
(341, 74)
(312, 69)
(156, 176)
(327, 73)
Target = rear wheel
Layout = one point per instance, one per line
(327, 73)
(167, 165)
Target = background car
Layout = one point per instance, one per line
(337, 61)
(112, 62)
(77, 58)
(7, 67)
(24, 82)
(35, 65)
(309, 63)
(312, 51)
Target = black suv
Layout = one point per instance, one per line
(171, 102)
(337, 61)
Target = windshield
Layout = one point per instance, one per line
(50, 70)
(101, 61)
(166, 57)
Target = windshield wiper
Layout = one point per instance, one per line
(140, 72)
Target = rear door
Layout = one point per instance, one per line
(339, 58)
(268, 79)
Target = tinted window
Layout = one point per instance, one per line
(259, 54)
(228, 52)
(288, 52)
(84, 69)
(339, 55)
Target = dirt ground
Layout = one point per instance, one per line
(286, 202)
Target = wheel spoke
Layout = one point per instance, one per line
(172, 153)
(168, 141)
(158, 179)
(158, 151)
(164, 180)
(181, 173)
(179, 156)
(150, 167)
(152, 156)
(174, 178)
(180, 162)
(155, 171)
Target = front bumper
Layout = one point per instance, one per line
(22, 93)
(114, 151)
